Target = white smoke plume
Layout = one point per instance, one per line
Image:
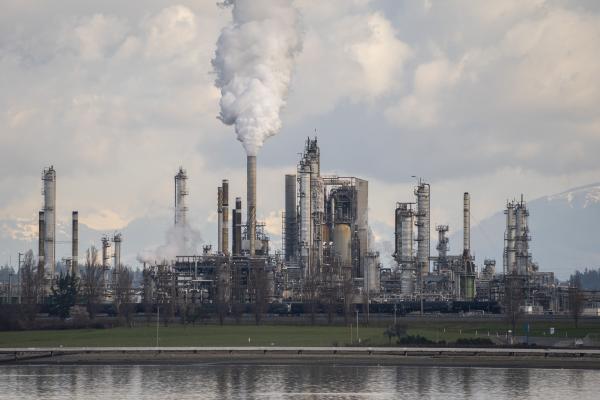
(253, 62)
(181, 240)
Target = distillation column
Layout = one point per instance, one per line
(180, 197)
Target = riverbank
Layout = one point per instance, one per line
(286, 335)
(463, 357)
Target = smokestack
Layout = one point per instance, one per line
(41, 241)
(75, 244)
(251, 200)
(219, 220)
(236, 223)
(466, 223)
(225, 219)
(49, 179)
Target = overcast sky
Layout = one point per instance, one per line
(496, 98)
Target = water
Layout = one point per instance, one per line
(293, 382)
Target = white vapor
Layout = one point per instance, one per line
(181, 240)
(253, 62)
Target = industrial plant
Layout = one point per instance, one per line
(326, 257)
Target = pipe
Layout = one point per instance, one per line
(466, 223)
(251, 200)
(225, 217)
(75, 244)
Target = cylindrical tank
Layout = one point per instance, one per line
(342, 243)
(423, 230)
(41, 241)
(407, 282)
(510, 238)
(291, 233)
(117, 250)
(305, 216)
(49, 179)
(251, 200)
(404, 223)
(466, 223)
(219, 220)
(225, 220)
(75, 244)
(237, 227)
(180, 197)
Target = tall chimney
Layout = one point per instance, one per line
(219, 220)
(466, 223)
(75, 244)
(41, 240)
(225, 219)
(236, 223)
(251, 200)
(49, 179)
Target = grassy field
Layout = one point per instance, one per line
(277, 335)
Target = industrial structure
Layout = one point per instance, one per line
(325, 257)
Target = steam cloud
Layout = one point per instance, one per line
(180, 240)
(253, 62)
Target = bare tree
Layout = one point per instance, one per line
(92, 280)
(122, 297)
(576, 301)
(513, 299)
(31, 285)
(348, 293)
(310, 294)
(259, 285)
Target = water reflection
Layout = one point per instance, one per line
(292, 381)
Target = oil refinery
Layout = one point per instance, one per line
(326, 256)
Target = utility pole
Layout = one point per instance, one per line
(395, 304)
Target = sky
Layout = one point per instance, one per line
(494, 98)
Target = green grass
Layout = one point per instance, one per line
(278, 335)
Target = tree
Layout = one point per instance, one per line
(92, 281)
(310, 291)
(576, 301)
(122, 292)
(31, 285)
(64, 295)
(397, 330)
(513, 299)
(259, 290)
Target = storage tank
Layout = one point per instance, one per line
(342, 243)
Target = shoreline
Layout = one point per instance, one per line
(417, 357)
